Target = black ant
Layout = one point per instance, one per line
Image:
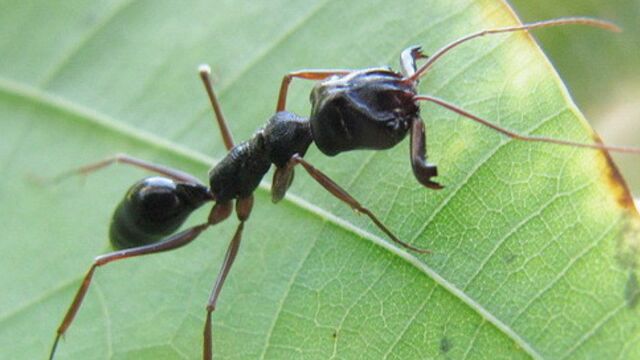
(351, 109)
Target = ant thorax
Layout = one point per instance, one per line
(239, 173)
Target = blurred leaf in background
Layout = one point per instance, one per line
(601, 70)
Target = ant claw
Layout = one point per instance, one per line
(418, 54)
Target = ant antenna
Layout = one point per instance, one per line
(547, 23)
(513, 135)
(205, 74)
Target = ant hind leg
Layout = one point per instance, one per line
(173, 242)
(218, 213)
(133, 161)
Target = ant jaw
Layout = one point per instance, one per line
(424, 173)
(416, 52)
(433, 185)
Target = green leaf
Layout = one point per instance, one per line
(534, 245)
(605, 87)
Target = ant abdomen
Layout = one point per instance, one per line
(153, 208)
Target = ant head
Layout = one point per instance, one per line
(378, 90)
(368, 109)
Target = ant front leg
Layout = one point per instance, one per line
(307, 75)
(133, 161)
(345, 197)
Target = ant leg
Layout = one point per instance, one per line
(219, 212)
(243, 209)
(344, 196)
(282, 179)
(514, 135)
(133, 161)
(422, 170)
(205, 75)
(408, 58)
(304, 74)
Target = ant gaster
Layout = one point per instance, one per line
(351, 109)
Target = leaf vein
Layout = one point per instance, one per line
(476, 333)
(514, 229)
(89, 34)
(410, 322)
(563, 272)
(354, 303)
(280, 306)
(594, 330)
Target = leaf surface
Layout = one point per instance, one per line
(604, 87)
(534, 245)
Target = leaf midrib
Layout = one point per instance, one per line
(79, 112)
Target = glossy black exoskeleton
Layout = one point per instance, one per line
(372, 109)
(239, 173)
(369, 109)
(351, 109)
(153, 208)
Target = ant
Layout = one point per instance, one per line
(351, 109)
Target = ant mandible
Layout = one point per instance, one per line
(351, 109)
